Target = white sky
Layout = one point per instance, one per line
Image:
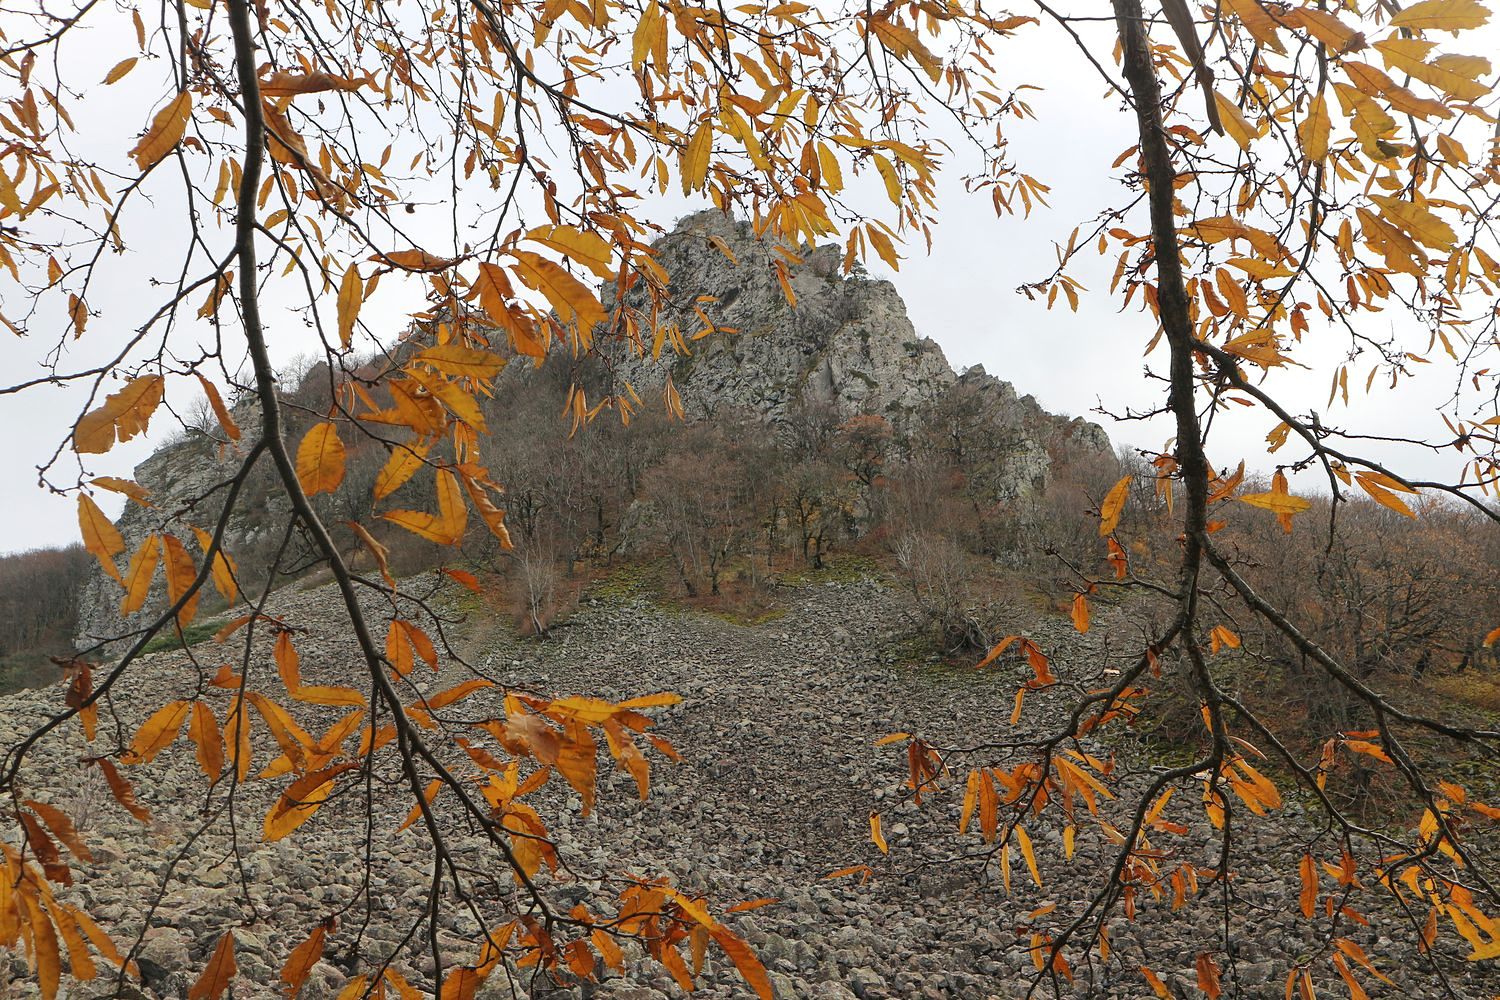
(962, 295)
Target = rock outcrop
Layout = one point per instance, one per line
(847, 345)
(847, 342)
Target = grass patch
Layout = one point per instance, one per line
(848, 568)
(195, 633)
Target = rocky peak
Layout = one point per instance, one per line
(847, 342)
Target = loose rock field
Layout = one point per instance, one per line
(779, 776)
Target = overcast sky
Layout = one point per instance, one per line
(962, 295)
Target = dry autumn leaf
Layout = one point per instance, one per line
(165, 131)
(320, 460)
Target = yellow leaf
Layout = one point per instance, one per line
(456, 359)
(695, 158)
(425, 525)
(224, 570)
(320, 460)
(100, 537)
(887, 171)
(124, 487)
(1030, 855)
(157, 732)
(571, 298)
(165, 131)
(1314, 129)
(1454, 75)
(1114, 503)
(586, 248)
(876, 837)
(351, 297)
(419, 261)
(1442, 15)
(285, 84)
(405, 460)
(1277, 503)
(452, 511)
(883, 246)
(138, 576)
(1240, 130)
(828, 167)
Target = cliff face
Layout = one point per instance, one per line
(848, 345)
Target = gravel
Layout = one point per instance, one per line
(780, 773)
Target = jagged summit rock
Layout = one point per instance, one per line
(847, 342)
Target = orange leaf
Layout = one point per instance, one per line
(300, 801)
(445, 698)
(300, 962)
(744, 960)
(1208, 976)
(221, 412)
(876, 837)
(288, 663)
(219, 971)
(1080, 613)
(471, 582)
(1308, 870)
(157, 732)
(224, 571)
(121, 789)
(59, 823)
(46, 961)
(1114, 503)
(429, 793)
(203, 729)
(1157, 986)
(753, 904)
